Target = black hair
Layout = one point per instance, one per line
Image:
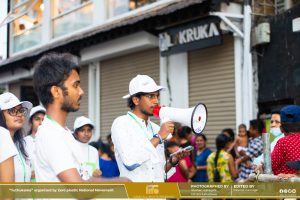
(275, 112)
(290, 127)
(183, 131)
(245, 127)
(258, 124)
(170, 144)
(105, 148)
(221, 142)
(52, 70)
(230, 132)
(95, 144)
(18, 136)
(203, 136)
(130, 103)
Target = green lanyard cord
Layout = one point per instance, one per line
(140, 124)
(23, 165)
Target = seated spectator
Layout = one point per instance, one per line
(287, 148)
(201, 154)
(220, 164)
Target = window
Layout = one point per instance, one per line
(117, 7)
(28, 94)
(26, 27)
(71, 15)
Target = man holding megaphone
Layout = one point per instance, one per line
(138, 142)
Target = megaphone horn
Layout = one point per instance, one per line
(194, 117)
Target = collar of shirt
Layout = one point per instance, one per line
(148, 129)
(55, 124)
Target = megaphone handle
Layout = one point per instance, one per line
(163, 120)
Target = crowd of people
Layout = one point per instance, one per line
(137, 150)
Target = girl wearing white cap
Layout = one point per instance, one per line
(83, 128)
(36, 118)
(12, 118)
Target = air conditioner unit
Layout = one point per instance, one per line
(296, 24)
(261, 34)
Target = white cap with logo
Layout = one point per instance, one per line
(81, 121)
(9, 100)
(142, 83)
(37, 109)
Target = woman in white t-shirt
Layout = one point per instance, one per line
(7, 153)
(13, 114)
(89, 158)
(36, 118)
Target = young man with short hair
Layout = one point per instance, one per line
(57, 84)
(138, 142)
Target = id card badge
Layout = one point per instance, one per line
(91, 167)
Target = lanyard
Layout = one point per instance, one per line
(88, 154)
(23, 164)
(141, 125)
(52, 120)
(55, 122)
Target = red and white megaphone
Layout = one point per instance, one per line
(194, 117)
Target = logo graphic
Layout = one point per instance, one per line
(152, 189)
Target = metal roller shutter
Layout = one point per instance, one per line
(211, 81)
(84, 101)
(115, 75)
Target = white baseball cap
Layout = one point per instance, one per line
(36, 109)
(81, 121)
(9, 100)
(142, 83)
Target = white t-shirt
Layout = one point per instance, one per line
(137, 158)
(22, 168)
(7, 146)
(89, 160)
(56, 151)
(30, 149)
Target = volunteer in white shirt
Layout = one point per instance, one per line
(57, 84)
(7, 153)
(138, 142)
(36, 118)
(13, 112)
(83, 130)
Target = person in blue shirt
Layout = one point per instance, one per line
(201, 155)
(107, 161)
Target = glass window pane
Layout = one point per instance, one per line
(26, 30)
(73, 21)
(62, 6)
(27, 39)
(18, 2)
(117, 7)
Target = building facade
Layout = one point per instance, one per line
(198, 49)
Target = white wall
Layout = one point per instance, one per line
(3, 29)
(174, 76)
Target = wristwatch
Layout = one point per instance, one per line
(159, 137)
